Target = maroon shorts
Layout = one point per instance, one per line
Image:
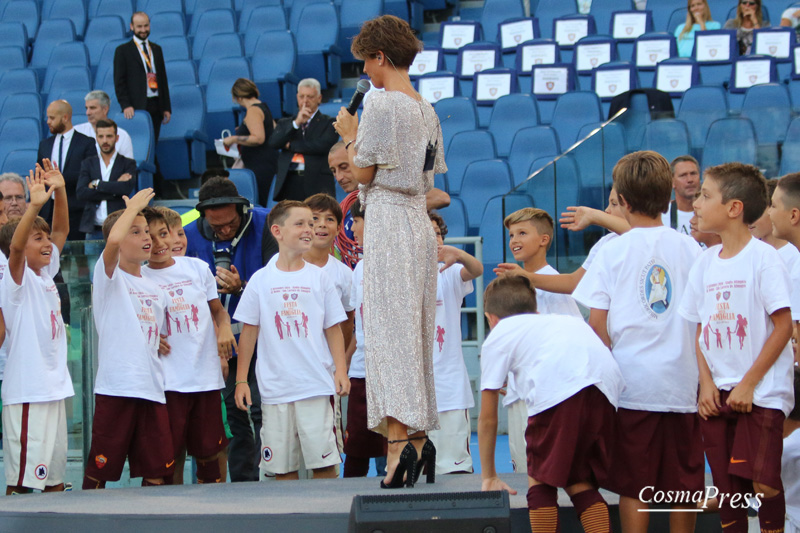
(134, 428)
(569, 443)
(663, 450)
(747, 446)
(359, 441)
(195, 420)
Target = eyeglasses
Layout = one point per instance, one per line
(747, 3)
(14, 198)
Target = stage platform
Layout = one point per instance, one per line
(321, 506)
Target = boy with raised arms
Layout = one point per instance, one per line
(738, 295)
(292, 308)
(130, 417)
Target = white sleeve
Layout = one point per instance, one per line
(692, 299)
(354, 291)
(101, 284)
(775, 283)
(495, 357)
(594, 291)
(209, 283)
(334, 311)
(347, 284)
(124, 145)
(249, 311)
(794, 276)
(55, 262)
(12, 292)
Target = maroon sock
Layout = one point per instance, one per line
(592, 511)
(208, 471)
(356, 466)
(772, 514)
(733, 520)
(543, 509)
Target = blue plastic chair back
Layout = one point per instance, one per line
(489, 85)
(512, 113)
(315, 31)
(168, 24)
(730, 139)
(568, 30)
(262, 19)
(490, 52)
(66, 55)
(497, 11)
(245, 181)
(530, 144)
(14, 34)
(770, 109)
(676, 75)
(175, 48)
(700, 107)
(593, 51)
(296, 12)
(456, 114)
(22, 105)
(790, 159)
(24, 11)
(549, 10)
(274, 55)
(12, 57)
(181, 72)
(513, 32)
(465, 148)
(455, 215)
(494, 233)
(482, 180)
(668, 137)
(752, 70)
(73, 10)
(211, 22)
(572, 111)
(140, 128)
(71, 79)
(120, 8)
(613, 79)
(19, 161)
(217, 47)
(53, 33)
(102, 30)
(652, 48)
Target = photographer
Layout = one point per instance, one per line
(230, 237)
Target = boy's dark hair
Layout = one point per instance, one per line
(325, 202)
(540, 219)
(7, 232)
(280, 212)
(737, 181)
(790, 187)
(509, 295)
(795, 414)
(357, 209)
(213, 173)
(151, 214)
(644, 180)
(217, 187)
(112, 218)
(436, 217)
(172, 217)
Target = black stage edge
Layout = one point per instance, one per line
(307, 506)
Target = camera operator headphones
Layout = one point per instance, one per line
(243, 207)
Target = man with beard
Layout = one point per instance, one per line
(685, 183)
(97, 105)
(67, 148)
(140, 78)
(104, 180)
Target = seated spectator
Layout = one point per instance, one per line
(97, 105)
(791, 18)
(749, 17)
(698, 18)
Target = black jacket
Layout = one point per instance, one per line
(111, 191)
(130, 77)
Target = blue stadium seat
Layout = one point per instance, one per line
(106, 83)
(19, 162)
(626, 26)
(495, 235)
(439, 181)
(465, 148)
(429, 60)
(676, 75)
(514, 32)
(354, 13)
(532, 53)
(14, 34)
(262, 19)
(572, 111)
(167, 24)
(76, 99)
(602, 11)
(435, 86)
(482, 180)
(730, 139)
(245, 181)
(716, 70)
(611, 80)
(273, 61)
(73, 10)
(589, 53)
(495, 12)
(466, 67)
(610, 143)
(106, 62)
(52, 34)
(455, 115)
(21, 105)
(182, 141)
(100, 31)
(140, 128)
(249, 6)
(512, 113)
(790, 160)
(12, 57)
(120, 8)
(668, 137)
(548, 83)
(700, 107)
(219, 108)
(18, 80)
(570, 29)
(67, 55)
(156, 7)
(24, 11)
(765, 42)
(530, 144)
(19, 134)
(455, 34)
(70, 79)
(489, 85)
(635, 119)
(662, 13)
(318, 56)
(181, 72)
(549, 10)
(455, 215)
(295, 12)
(175, 48)
(770, 110)
(650, 49)
(218, 46)
(211, 23)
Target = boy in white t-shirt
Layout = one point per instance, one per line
(454, 398)
(790, 461)
(36, 377)
(634, 288)
(192, 373)
(360, 444)
(292, 308)
(530, 233)
(176, 230)
(130, 417)
(784, 215)
(738, 295)
(571, 385)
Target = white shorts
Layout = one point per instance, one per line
(452, 442)
(517, 424)
(289, 429)
(35, 444)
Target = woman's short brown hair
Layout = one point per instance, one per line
(244, 88)
(389, 34)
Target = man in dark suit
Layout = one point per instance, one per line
(67, 148)
(140, 79)
(104, 181)
(304, 141)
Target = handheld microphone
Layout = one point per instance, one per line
(361, 89)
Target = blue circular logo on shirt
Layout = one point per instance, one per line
(658, 289)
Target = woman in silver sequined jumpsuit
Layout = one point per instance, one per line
(387, 153)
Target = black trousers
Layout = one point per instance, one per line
(156, 115)
(244, 449)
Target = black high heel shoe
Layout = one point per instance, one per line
(407, 465)
(428, 460)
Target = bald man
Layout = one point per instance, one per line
(67, 148)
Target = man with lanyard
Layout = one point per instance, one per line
(685, 183)
(230, 237)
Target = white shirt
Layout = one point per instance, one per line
(640, 278)
(150, 92)
(790, 474)
(593, 252)
(292, 311)
(55, 155)
(450, 375)
(342, 277)
(552, 357)
(683, 221)
(791, 258)
(124, 145)
(105, 174)
(732, 299)
(4, 347)
(357, 368)
(129, 316)
(36, 370)
(193, 362)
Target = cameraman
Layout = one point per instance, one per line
(230, 237)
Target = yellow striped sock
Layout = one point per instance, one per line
(544, 520)
(595, 519)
